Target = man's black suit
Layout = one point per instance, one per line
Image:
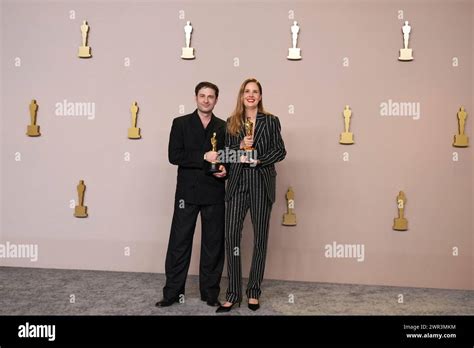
(196, 192)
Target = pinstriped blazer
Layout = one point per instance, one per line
(269, 147)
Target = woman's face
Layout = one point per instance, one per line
(251, 96)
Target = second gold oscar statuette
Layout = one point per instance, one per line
(213, 166)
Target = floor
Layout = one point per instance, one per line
(35, 291)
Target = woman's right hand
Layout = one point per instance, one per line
(244, 159)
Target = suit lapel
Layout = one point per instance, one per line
(196, 121)
(260, 125)
(242, 132)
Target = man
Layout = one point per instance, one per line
(196, 192)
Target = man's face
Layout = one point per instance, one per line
(206, 99)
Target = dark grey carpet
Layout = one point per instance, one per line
(35, 291)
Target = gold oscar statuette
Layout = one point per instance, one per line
(84, 50)
(249, 131)
(406, 54)
(461, 139)
(213, 166)
(134, 132)
(400, 223)
(347, 137)
(289, 219)
(33, 130)
(188, 52)
(80, 210)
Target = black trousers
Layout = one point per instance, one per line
(250, 195)
(178, 256)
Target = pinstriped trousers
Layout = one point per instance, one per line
(251, 195)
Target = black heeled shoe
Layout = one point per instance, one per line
(223, 309)
(254, 306)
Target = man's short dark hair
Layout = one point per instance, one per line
(206, 84)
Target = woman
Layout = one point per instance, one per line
(251, 185)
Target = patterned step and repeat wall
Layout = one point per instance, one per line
(394, 207)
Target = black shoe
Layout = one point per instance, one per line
(211, 302)
(254, 306)
(223, 309)
(166, 303)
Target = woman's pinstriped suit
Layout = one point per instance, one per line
(251, 188)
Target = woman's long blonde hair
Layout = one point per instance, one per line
(237, 117)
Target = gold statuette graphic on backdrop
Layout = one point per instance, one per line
(84, 50)
(347, 137)
(289, 219)
(406, 53)
(461, 139)
(188, 52)
(80, 210)
(294, 53)
(33, 130)
(400, 223)
(134, 132)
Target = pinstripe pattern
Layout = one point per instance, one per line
(254, 189)
(270, 149)
(249, 195)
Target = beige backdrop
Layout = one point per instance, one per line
(472, 187)
(347, 202)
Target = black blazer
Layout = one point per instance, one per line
(188, 143)
(269, 147)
